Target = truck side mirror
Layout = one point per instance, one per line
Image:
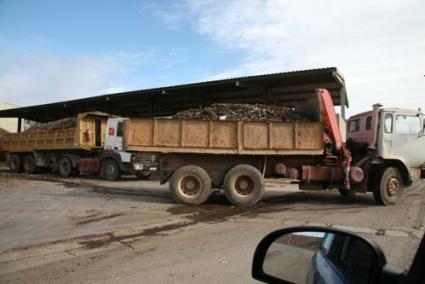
(319, 255)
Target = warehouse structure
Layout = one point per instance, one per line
(277, 89)
(10, 124)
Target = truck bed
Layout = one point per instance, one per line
(42, 140)
(223, 137)
(83, 136)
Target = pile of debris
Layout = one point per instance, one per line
(243, 112)
(2, 131)
(64, 123)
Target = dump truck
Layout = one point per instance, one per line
(195, 156)
(93, 146)
(388, 144)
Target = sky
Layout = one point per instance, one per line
(60, 50)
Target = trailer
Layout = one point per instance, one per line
(93, 146)
(197, 156)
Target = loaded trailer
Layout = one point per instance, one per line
(196, 156)
(92, 146)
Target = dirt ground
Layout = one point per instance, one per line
(90, 230)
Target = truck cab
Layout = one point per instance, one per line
(388, 138)
(114, 134)
(127, 161)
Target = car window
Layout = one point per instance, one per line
(327, 241)
(388, 123)
(410, 125)
(368, 122)
(119, 129)
(354, 125)
(347, 255)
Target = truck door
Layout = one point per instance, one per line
(403, 138)
(114, 133)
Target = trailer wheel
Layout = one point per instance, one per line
(29, 164)
(15, 164)
(111, 170)
(389, 188)
(347, 193)
(65, 167)
(244, 185)
(190, 185)
(143, 175)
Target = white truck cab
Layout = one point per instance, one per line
(113, 138)
(114, 143)
(114, 134)
(388, 138)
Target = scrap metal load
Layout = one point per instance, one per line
(54, 125)
(3, 132)
(244, 112)
(71, 133)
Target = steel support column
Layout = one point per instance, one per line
(19, 124)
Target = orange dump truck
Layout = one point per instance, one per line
(93, 145)
(196, 156)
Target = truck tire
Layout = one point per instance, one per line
(389, 187)
(111, 170)
(29, 164)
(244, 185)
(143, 175)
(15, 163)
(190, 185)
(347, 193)
(65, 167)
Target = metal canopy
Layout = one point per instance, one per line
(287, 88)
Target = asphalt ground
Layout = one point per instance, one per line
(89, 230)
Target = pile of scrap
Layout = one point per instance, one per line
(2, 131)
(243, 112)
(64, 123)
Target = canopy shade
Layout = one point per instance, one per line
(288, 88)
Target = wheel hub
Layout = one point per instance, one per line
(190, 186)
(244, 185)
(111, 170)
(393, 186)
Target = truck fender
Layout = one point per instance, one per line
(404, 171)
(165, 176)
(377, 168)
(113, 155)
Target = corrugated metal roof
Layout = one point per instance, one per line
(286, 88)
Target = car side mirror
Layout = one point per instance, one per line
(320, 255)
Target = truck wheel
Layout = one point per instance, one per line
(29, 164)
(15, 164)
(143, 175)
(190, 185)
(65, 167)
(389, 187)
(244, 185)
(111, 170)
(347, 193)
